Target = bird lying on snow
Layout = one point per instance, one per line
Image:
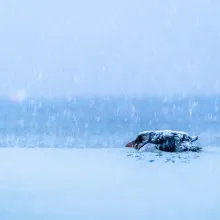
(165, 140)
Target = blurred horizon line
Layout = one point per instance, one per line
(106, 97)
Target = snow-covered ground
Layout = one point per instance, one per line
(108, 184)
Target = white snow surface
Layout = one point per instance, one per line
(108, 184)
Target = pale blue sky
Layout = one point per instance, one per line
(60, 47)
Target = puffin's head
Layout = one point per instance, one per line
(139, 142)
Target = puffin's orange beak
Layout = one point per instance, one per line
(130, 144)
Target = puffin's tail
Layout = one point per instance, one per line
(194, 138)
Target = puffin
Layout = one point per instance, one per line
(165, 140)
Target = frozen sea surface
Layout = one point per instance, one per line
(112, 183)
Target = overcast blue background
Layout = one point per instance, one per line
(96, 47)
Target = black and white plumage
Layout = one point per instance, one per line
(165, 140)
